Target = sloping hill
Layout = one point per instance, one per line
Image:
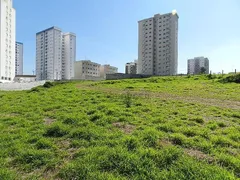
(156, 128)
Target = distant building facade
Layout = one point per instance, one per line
(107, 69)
(25, 78)
(131, 68)
(198, 65)
(55, 54)
(85, 68)
(158, 45)
(7, 40)
(19, 59)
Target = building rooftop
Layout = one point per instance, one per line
(25, 76)
(54, 27)
(174, 12)
(69, 33)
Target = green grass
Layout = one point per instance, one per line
(155, 128)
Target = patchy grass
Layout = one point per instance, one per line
(155, 128)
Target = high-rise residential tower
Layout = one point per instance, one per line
(7, 41)
(69, 55)
(158, 45)
(19, 59)
(198, 65)
(55, 54)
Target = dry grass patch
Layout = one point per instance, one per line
(126, 128)
(49, 121)
(199, 155)
(165, 142)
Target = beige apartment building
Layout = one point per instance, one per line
(107, 69)
(158, 45)
(86, 68)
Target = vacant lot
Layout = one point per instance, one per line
(156, 128)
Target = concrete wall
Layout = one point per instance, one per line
(89, 78)
(20, 86)
(125, 76)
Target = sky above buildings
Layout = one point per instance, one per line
(107, 30)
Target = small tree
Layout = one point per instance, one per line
(128, 99)
(203, 70)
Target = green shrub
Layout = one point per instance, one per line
(132, 143)
(166, 128)
(199, 120)
(96, 117)
(189, 133)
(150, 137)
(43, 144)
(6, 174)
(70, 121)
(56, 131)
(74, 171)
(128, 98)
(48, 84)
(33, 159)
(177, 138)
(236, 115)
(35, 89)
(167, 156)
(231, 79)
(222, 124)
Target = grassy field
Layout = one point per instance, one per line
(156, 128)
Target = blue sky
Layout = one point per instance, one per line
(107, 30)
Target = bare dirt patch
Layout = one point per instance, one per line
(165, 142)
(126, 128)
(48, 121)
(199, 155)
(10, 115)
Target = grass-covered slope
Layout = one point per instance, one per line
(156, 128)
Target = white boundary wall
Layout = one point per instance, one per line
(20, 86)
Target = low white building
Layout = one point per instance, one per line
(107, 69)
(86, 68)
(24, 78)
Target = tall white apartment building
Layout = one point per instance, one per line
(158, 45)
(69, 55)
(55, 54)
(19, 59)
(7, 40)
(198, 65)
(86, 68)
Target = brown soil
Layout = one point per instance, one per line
(126, 128)
(48, 121)
(199, 155)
